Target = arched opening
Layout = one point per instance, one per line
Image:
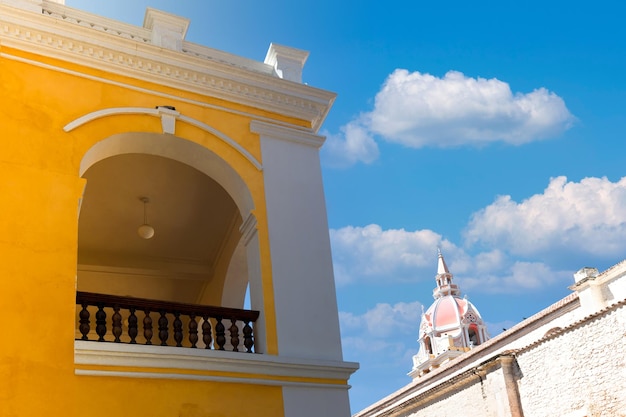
(196, 227)
(474, 337)
(427, 345)
(197, 206)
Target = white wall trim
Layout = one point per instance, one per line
(167, 120)
(114, 111)
(254, 381)
(287, 133)
(166, 357)
(223, 137)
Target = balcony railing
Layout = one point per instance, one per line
(178, 324)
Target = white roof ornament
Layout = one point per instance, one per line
(168, 30)
(442, 268)
(287, 62)
(444, 279)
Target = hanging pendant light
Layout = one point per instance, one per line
(145, 231)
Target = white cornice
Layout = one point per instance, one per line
(175, 362)
(287, 134)
(63, 33)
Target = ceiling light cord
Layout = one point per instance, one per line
(145, 231)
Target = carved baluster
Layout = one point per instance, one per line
(248, 341)
(206, 332)
(220, 338)
(178, 330)
(116, 320)
(147, 327)
(132, 326)
(163, 333)
(84, 322)
(234, 335)
(193, 330)
(101, 323)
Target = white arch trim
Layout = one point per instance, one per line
(168, 123)
(173, 147)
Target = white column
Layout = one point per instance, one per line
(304, 289)
(316, 402)
(307, 319)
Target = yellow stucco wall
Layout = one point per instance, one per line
(40, 190)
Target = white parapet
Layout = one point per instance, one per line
(168, 30)
(287, 62)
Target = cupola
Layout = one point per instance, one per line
(450, 326)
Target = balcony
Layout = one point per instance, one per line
(129, 320)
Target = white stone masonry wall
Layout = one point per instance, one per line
(486, 398)
(581, 372)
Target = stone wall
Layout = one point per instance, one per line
(479, 394)
(578, 372)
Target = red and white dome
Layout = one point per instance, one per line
(447, 315)
(450, 326)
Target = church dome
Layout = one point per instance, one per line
(447, 314)
(450, 326)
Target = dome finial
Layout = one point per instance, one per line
(442, 268)
(444, 279)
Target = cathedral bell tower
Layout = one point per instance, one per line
(450, 326)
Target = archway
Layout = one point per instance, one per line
(198, 205)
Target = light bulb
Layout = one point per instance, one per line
(145, 231)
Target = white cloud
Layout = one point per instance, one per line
(381, 328)
(418, 110)
(385, 320)
(577, 217)
(519, 276)
(372, 253)
(354, 144)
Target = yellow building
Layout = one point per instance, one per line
(143, 180)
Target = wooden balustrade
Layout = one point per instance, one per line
(177, 321)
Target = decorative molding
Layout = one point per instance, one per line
(114, 111)
(225, 138)
(248, 228)
(85, 39)
(95, 22)
(135, 88)
(213, 378)
(187, 363)
(168, 120)
(286, 133)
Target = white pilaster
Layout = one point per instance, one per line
(304, 288)
(316, 402)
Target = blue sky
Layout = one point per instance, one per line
(494, 130)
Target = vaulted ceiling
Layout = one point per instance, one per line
(192, 216)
